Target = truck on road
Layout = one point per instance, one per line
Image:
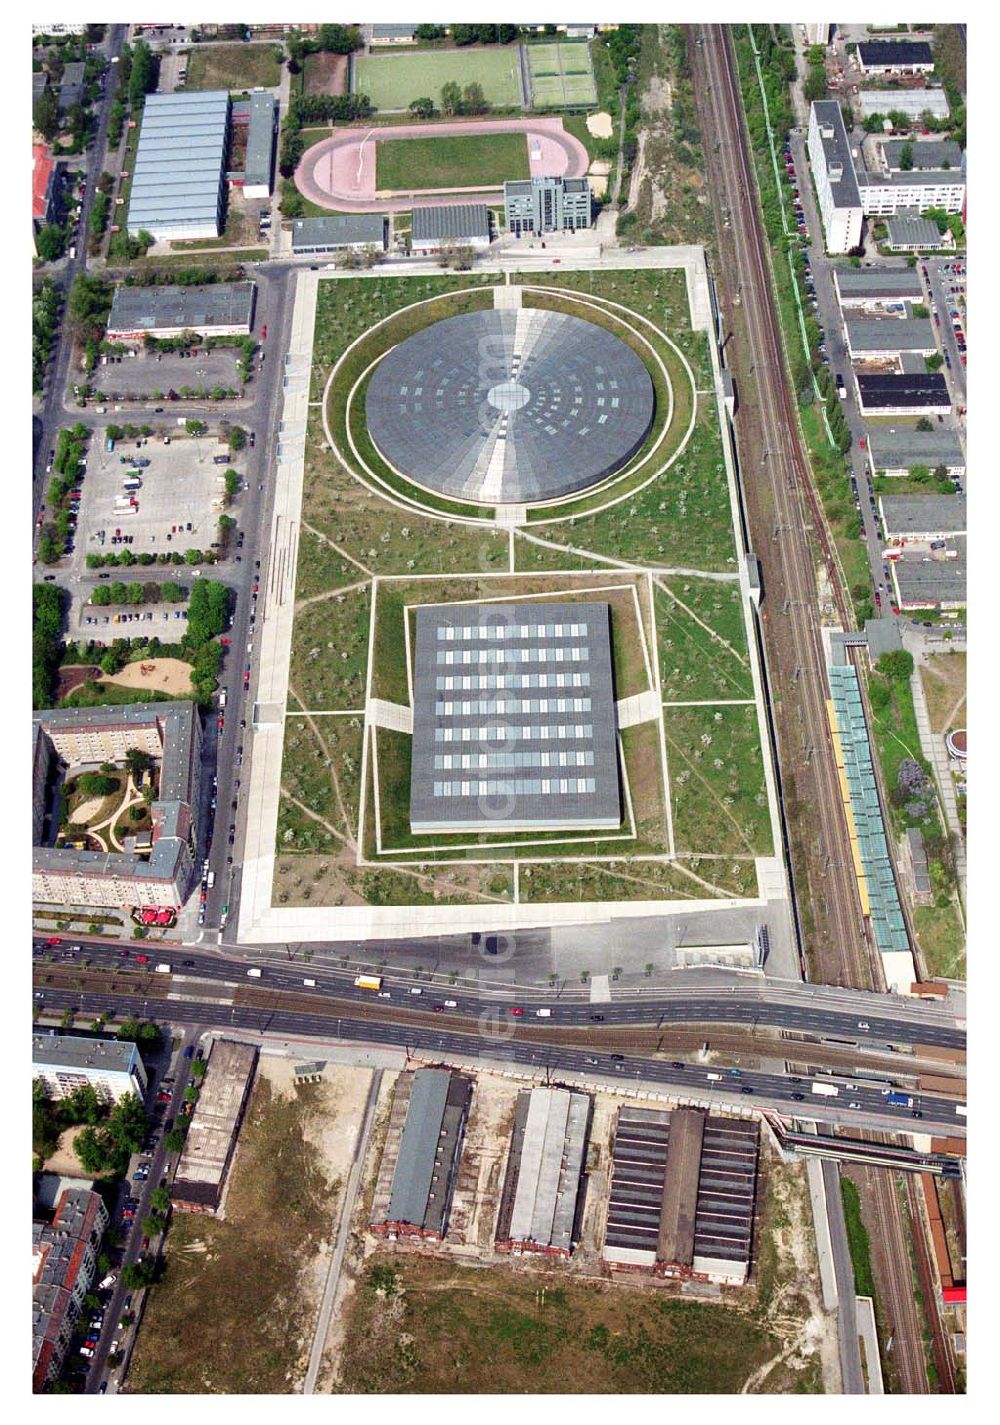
(368, 982)
(899, 1100)
(254, 974)
(826, 1090)
(163, 969)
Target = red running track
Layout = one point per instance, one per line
(339, 172)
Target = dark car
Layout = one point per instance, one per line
(597, 1018)
(187, 963)
(678, 1065)
(618, 1058)
(745, 1088)
(798, 1097)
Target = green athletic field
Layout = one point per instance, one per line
(451, 161)
(393, 81)
(561, 75)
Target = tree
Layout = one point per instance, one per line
(45, 114)
(430, 32)
(136, 1275)
(906, 157)
(423, 108)
(451, 94)
(171, 593)
(174, 1141)
(50, 243)
(934, 362)
(46, 641)
(339, 39)
(194, 427)
(474, 100)
(89, 1148)
(924, 424)
(159, 1200)
(208, 612)
(896, 666)
(463, 34)
(198, 1068)
(237, 438)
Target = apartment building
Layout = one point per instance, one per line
(833, 173)
(64, 1265)
(65, 1062)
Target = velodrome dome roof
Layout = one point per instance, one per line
(509, 407)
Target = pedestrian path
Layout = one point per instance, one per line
(395, 716)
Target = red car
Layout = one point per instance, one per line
(142, 959)
(263, 333)
(224, 642)
(517, 1010)
(53, 940)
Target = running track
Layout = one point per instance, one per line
(339, 172)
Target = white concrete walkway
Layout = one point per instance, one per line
(640, 707)
(395, 716)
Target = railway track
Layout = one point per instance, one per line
(943, 1364)
(771, 453)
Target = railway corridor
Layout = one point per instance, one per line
(785, 522)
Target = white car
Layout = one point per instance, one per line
(854, 1105)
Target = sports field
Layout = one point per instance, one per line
(561, 75)
(462, 161)
(393, 81)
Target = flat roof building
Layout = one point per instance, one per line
(179, 178)
(897, 451)
(940, 154)
(71, 86)
(870, 338)
(422, 1153)
(904, 394)
(65, 1062)
(885, 194)
(833, 173)
(912, 234)
(222, 309)
(64, 738)
(911, 102)
(450, 225)
(895, 57)
(923, 581)
(339, 232)
(514, 718)
(683, 1190)
(541, 1197)
(922, 517)
(547, 205)
(259, 116)
(877, 286)
(215, 1125)
(392, 35)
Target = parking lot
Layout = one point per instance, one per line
(177, 501)
(154, 375)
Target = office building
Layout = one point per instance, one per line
(833, 173)
(256, 120)
(912, 103)
(546, 205)
(916, 235)
(922, 518)
(872, 339)
(885, 288)
(900, 450)
(903, 394)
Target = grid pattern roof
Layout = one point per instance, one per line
(547, 1167)
(452, 222)
(914, 232)
(907, 447)
(837, 152)
(338, 230)
(513, 718)
(889, 334)
(717, 1213)
(179, 165)
(931, 154)
(510, 406)
(888, 925)
(224, 304)
(904, 101)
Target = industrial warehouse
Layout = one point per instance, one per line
(899, 450)
(542, 1197)
(421, 1157)
(683, 1190)
(554, 662)
(223, 309)
(179, 181)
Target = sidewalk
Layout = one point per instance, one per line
(933, 748)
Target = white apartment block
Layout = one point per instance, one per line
(64, 1062)
(833, 174)
(883, 196)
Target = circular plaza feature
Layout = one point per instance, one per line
(516, 406)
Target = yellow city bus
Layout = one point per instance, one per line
(368, 982)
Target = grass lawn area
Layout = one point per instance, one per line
(433, 1327)
(455, 161)
(717, 780)
(393, 81)
(942, 939)
(247, 1273)
(697, 662)
(943, 676)
(321, 781)
(233, 67)
(330, 652)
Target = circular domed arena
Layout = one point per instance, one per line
(516, 406)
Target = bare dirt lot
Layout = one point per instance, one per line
(64, 1161)
(162, 675)
(943, 676)
(256, 1275)
(326, 74)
